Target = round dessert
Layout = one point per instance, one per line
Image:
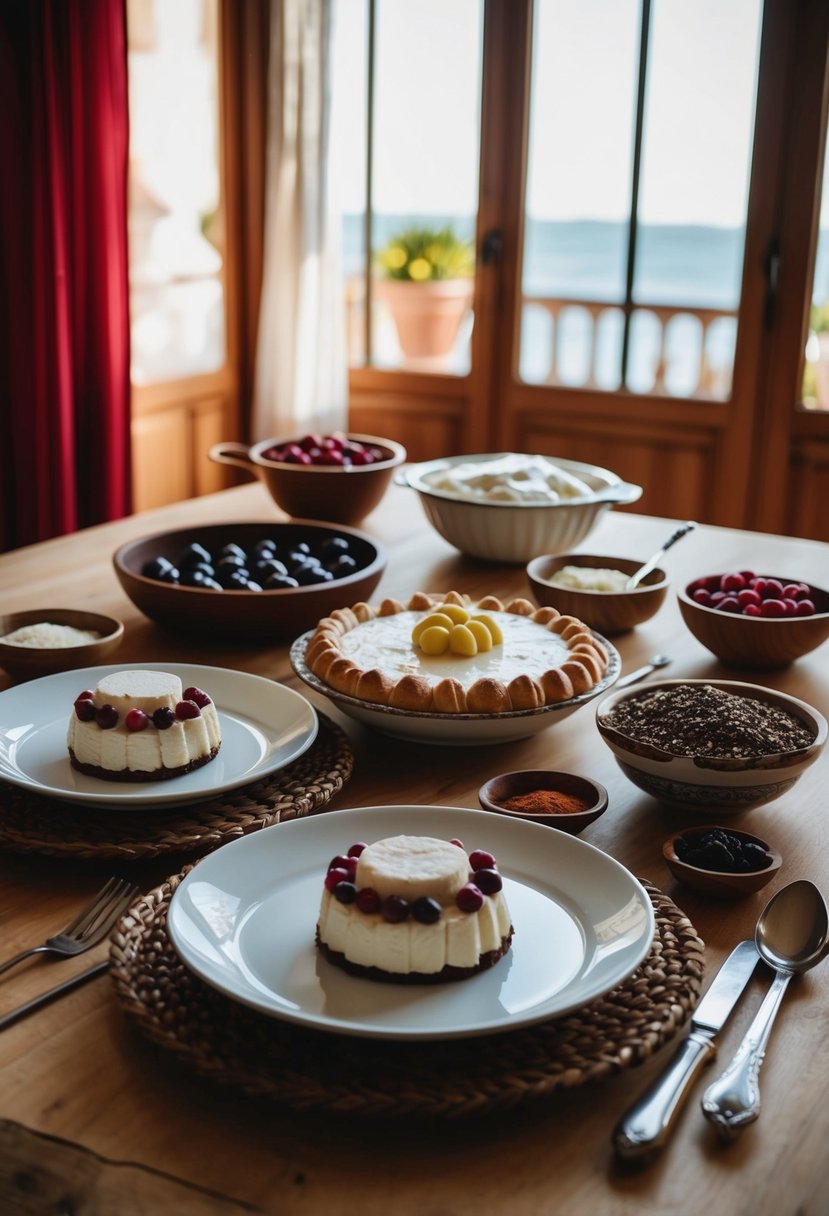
(142, 726)
(413, 909)
(448, 655)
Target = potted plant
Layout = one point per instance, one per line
(426, 282)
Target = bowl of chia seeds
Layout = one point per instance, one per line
(711, 743)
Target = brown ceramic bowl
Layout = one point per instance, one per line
(718, 884)
(608, 612)
(29, 662)
(331, 493)
(245, 616)
(756, 642)
(494, 793)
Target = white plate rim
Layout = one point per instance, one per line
(160, 792)
(328, 833)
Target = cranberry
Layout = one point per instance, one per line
(368, 900)
(805, 608)
(729, 603)
(136, 719)
(187, 709)
(772, 608)
(732, 582)
(163, 718)
(457, 842)
(752, 610)
(479, 859)
(335, 876)
(748, 596)
(395, 909)
(426, 911)
(84, 709)
(340, 862)
(702, 596)
(106, 716)
(195, 694)
(86, 695)
(356, 849)
(470, 898)
(489, 881)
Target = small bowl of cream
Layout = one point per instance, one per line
(592, 588)
(42, 641)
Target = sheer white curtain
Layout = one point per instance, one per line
(301, 381)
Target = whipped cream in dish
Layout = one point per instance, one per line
(511, 478)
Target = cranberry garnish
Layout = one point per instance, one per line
(395, 909)
(340, 862)
(470, 898)
(356, 849)
(136, 719)
(368, 900)
(163, 718)
(196, 694)
(187, 709)
(426, 911)
(84, 709)
(489, 881)
(334, 877)
(457, 842)
(106, 716)
(479, 859)
(86, 695)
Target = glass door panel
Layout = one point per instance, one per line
(641, 126)
(406, 177)
(816, 373)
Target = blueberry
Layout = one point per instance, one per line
(158, 567)
(231, 578)
(280, 582)
(264, 546)
(195, 578)
(333, 547)
(316, 575)
(265, 568)
(193, 554)
(210, 584)
(232, 560)
(233, 550)
(426, 910)
(341, 566)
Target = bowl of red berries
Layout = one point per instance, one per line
(339, 477)
(755, 620)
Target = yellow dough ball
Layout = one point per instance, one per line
(462, 642)
(493, 628)
(481, 635)
(441, 619)
(459, 615)
(435, 639)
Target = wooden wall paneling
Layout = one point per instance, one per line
(807, 510)
(208, 425)
(161, 457)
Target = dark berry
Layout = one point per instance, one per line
(84, 708)
(345, 892)
(356, 849)
(340, 862)
(187, 709)
(334, 877)
(106, 716)
(479, 859)
(163, 718)
(368, 900)
(488, 880)
(395, 909)
(426, 911)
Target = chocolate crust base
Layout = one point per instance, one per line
(446, 975)
(133, 775)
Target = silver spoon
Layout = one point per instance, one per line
(635, 579)
(791, 936)
(655, 661)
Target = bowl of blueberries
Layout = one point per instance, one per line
(249, 581)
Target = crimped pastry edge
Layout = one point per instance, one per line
(584, 668)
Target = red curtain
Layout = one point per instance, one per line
(64, 305)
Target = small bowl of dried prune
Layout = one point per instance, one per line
(722, 863)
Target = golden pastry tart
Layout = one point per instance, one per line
(446, 654)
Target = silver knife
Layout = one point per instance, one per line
(52, 994)
(645, 1127)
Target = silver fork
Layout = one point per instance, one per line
(89, 927)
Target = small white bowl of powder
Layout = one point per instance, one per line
(41, 641)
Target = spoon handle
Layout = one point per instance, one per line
(635, 579)
(733, 1100)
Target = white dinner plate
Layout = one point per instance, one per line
(264, 727)
(453, 730)
(244, 920)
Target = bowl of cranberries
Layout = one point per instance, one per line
(756, 620)
(306, 475)
(249, 582)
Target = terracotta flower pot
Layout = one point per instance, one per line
(428, 315)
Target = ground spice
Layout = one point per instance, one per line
(547, 802)
(700, 720)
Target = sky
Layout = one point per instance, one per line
(701, 93)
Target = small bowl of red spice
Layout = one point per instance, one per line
(561, 800)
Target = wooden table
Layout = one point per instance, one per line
(92, 1118)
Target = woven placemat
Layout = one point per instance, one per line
(309, 1070)
(32, 823)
